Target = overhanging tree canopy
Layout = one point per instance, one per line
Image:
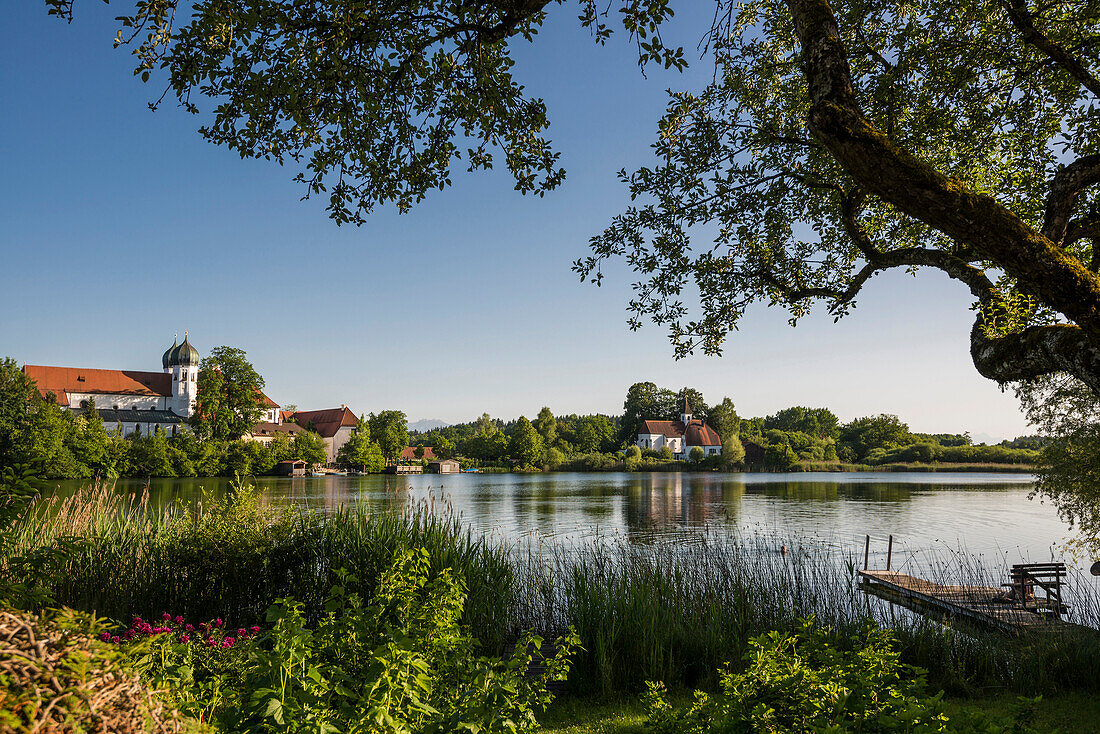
(835, 142)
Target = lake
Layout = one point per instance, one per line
(929, 514)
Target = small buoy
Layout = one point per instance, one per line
(1095, 570)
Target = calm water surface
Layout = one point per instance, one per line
(928, 514)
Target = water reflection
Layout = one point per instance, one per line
(988, 514)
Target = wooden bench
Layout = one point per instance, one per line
(1027, 577)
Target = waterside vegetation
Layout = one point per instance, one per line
(683, 615)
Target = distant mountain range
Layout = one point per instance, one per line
(427, 424)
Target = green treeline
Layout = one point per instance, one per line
(60, 443)
(799, 434)
(780, 442)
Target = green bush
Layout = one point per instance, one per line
(802, 682)
(402, 663)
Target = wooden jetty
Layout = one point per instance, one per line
(1014, 607)
(985, 606)
(403, 469)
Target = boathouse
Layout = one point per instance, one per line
(291, 468)
(444, 466)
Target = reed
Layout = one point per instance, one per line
(674, 612)
(229, 557)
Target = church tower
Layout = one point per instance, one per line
(685, 417)
(182, 361)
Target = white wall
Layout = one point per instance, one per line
(146, 428)
(124, 402)
(185, 387)
(656, 441)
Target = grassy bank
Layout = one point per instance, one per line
(914, 466)
(1069, 713)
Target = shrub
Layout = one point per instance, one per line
(801, 682)
(400, 664)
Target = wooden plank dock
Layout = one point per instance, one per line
(982, 605)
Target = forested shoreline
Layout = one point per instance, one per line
(63, 444)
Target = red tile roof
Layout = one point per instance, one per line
(325, 422)
(409, 454)
(671, 429)
(700, 434)
(63, 380)
(270, 429)
(697, 433)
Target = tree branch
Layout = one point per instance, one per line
(1082, 228)
(850, 207)
(975, 279)
(1065, 187)
(1035, 351)
(916, 188)
(1022, 18)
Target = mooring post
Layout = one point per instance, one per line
(866, 550)
(889, 551)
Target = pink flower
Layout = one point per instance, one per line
(179, 620)
(189, 627)
(106, 637)
(218, 622)
(228, 642)
(115, 639)
(255, 629)
(185, 638)
(209, 642)
(166, 617)
(137, 620)
(242, 632)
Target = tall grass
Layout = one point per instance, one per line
(679, 612)
(228, 557)
(670, 612)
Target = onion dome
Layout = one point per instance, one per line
(166, 359)
(184, 355)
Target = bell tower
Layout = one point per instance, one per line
(685, 416)
(182, 361)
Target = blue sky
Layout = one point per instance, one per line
(119, 227)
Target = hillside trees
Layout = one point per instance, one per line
(359, 451)
(723, 418)
(644, 401)
(310, 448)
(547, 426)
(879, 432)
(525, 445)
(389, 429)
(229, 398)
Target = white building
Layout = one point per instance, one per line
(681, 436)
(131, 399)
